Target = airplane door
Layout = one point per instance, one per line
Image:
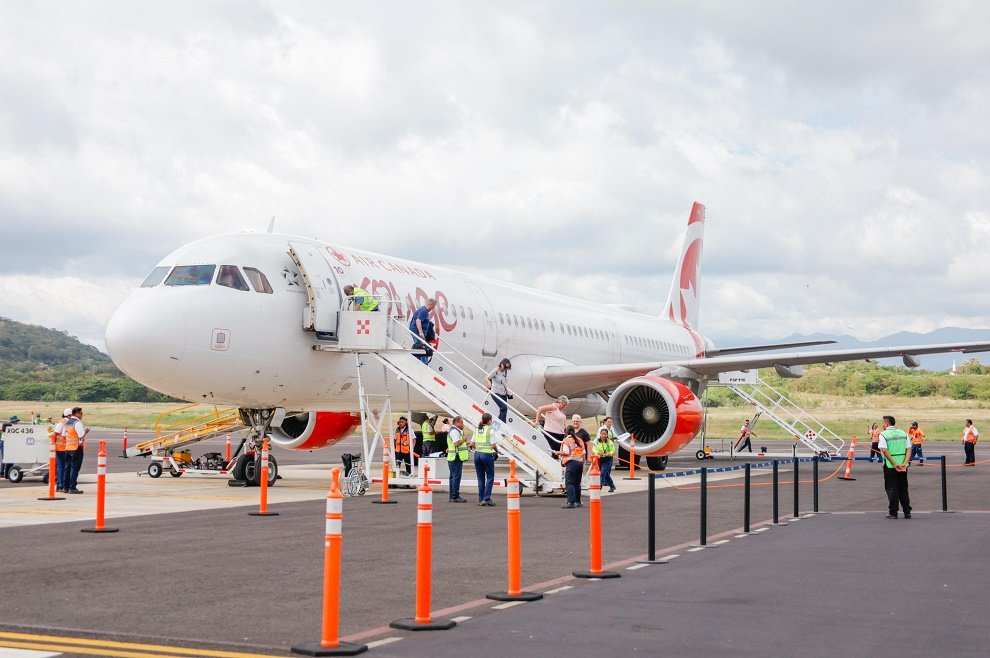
(489, 345)
(324, 300)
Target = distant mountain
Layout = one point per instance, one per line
(934, 362)
(37, 363)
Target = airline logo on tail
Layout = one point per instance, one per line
(685, 293)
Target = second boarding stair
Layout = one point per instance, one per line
(451, 388)
(189, 432)
(800, 424)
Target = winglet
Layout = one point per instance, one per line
(685, 291)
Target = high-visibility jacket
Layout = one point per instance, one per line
(896, 445)
(875, 435)
(427, 429)
(72, 438)
(59, 433)
(483, 440)
(402, 443)
(368, 303)
(604, 448)
(917, 436)
(970, 434)
(573, 450)
(456, 452)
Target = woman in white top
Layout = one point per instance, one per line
(554, 421)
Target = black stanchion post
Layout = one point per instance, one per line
(703, 541)
(945, 490)
(651, 510)
(776, 487)
(797, 489)
(814, 486)
(746, 493)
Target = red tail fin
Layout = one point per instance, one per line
(685, 292)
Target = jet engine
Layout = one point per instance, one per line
(312, 430)
(663, 415)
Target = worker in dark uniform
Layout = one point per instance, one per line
(457, 454)
(483, 443)
(894, 448)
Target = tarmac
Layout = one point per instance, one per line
(190, 572)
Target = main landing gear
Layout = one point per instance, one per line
(247, 467)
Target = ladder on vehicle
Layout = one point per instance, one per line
(389, 342)
(793, 419)
(189, 432)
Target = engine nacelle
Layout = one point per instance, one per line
(312, 430)
(662, 415)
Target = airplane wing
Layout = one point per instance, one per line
(581, 380)
(745, 349)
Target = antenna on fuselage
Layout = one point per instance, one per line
(271, 224)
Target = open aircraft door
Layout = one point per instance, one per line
(323, 292)
(489, 345)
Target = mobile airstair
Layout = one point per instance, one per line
(457, 389)
(774, 405)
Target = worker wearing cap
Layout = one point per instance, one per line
(917, 437)
(58, 434)
(457, 454)
(75, 444)
(893, 447)
(361, 300)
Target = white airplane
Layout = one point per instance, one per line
(233, 319)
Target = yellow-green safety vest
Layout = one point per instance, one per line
(483, 440)
(897, 441)
(368, 303)
(604, 448)
(427, 429)
(461, 451)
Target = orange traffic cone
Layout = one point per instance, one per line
(850, 457)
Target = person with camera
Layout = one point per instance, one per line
(483, 443)
(497, 382)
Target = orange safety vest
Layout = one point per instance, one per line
(402, 443)
(875, 435)
(575, 450)
(59, 438)
(917, 436)
(72, 440)
(970, 434)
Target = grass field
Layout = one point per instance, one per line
(942, 419)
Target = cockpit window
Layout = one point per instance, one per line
(156, 276)
(258, 280)
(230, 277)
(191, 275)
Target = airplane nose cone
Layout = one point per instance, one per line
(145, 339)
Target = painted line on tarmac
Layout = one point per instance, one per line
(559, 589)
(507, 604)
(720, 542)
(383, 642)
(670, 557)
(66, 644)
(696, 549)
(461, 618)
(636, 566)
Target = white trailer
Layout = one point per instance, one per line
(25, 452)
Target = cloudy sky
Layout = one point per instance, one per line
(841, 148)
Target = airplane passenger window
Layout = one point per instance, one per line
(191, 275)
(230, 277)
(529, 322)
(515, 320)
(552, 328)
(543, 327)
(156, 276)
(461, 309)
(500, 319)
(471, 314)
(258, 280)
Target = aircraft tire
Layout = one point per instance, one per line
(251, 472)
(657, 463)
(700, 454)
(239, 465)
(272, 471)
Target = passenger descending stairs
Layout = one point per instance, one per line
(799, 423)
(458, 393)
(186, 433)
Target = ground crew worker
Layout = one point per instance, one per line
(607, 425)
(402, 447)
(361, 300)
(457, 454)
(745, 434)
(917, 438)
(75, 444)
(483, 443)
(571, 455)
(893, 447)
(59, 434)
(970, 436)
(604, 447)
(429, 435)
(874, 432)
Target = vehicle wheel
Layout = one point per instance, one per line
(15, 474)
(44, 478)
(657, 463)
(174, 473)
(155, 469)
(272, 471)
(700, 454)
(251, 472)
(239, 467)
